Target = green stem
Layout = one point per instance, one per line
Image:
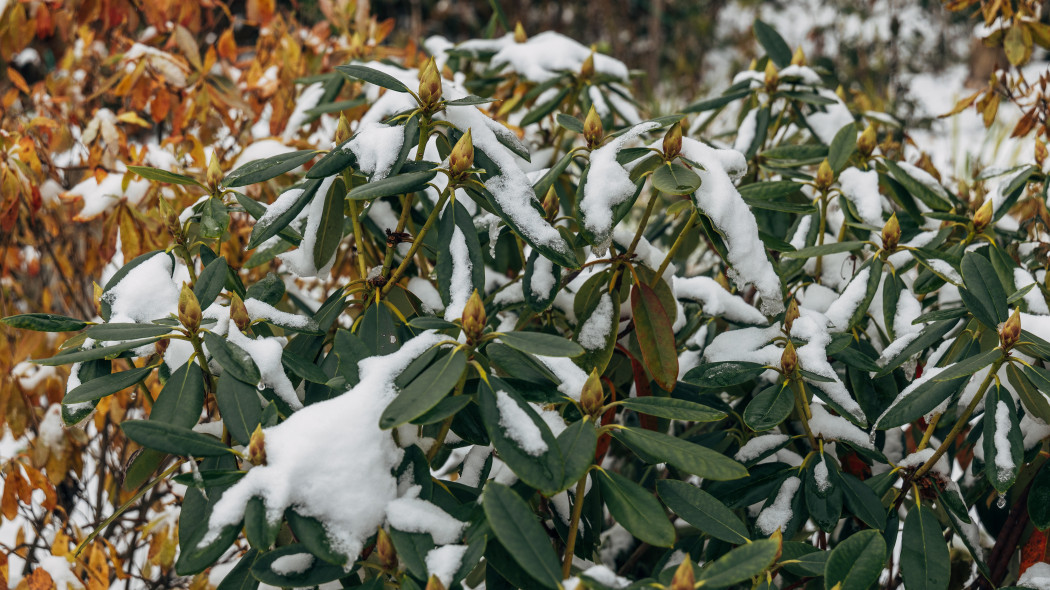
(447, 424)
(802, 407)
(641, 225)
(820, 236)
(693, 219)
(417, 241)
(355, 217)
(574, 526)
(961, 422)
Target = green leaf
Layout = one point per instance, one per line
(824, 250)
(313, 534)
(916, 188)
(425, 391)
(770, 407)
(541, 343)
(969, 366)
(655, 336)
(919, 402)
(1039, 499)
(91, 354)
(271, 227)
(404, 183)
(635, 509)
(925, 561)
(211, 282)
(204, 479)
(999, 404)
(569, 122)
(456, 217)
(261, 533)
(675, 179)
(330, 229)
(824, 505)
(577, 443)
(929, 335)
(239, 405)
(863, 502)
(44, 322)
(537, 296)
(765, 191)
(842, 148)
(372, 76)
(215, 218)
(176, 440)
(303, 368)
(983, 293)
(267, 168)
(544, 470)
(773, 43)
(181, 400)
(1032, 385)
(318, 572)
(857, 562)
(516, 527)
(125, 331)
(702, 510)
(746, 561)
(334, 162)
(240, 577)
(542, 110)
(672, 408)
(412, 549)
(689, 457)
(469, 100)
(716, 102)
(723, 374)
(106, 385)
(159, 175)
(808, 152)
(232, 358)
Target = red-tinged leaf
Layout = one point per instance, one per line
(655, 336)
(641, 387)
(1035, 549)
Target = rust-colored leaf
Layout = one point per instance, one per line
(655, 336)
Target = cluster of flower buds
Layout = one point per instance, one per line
(214, 176)
(550, 204)
(684, 577)
(673, 142)
(430, 87)
(825, 176)
(867, 142)
(789, 359)
(593, 131)
(772, 78)
(385, 551)
(239, 313)
(593, 396)
(983, 217)
(1010, 331)
(257, 447)
(891, 234)
(189, 309)
(474, 318)
(791, 315)
(461, 160)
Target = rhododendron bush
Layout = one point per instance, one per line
(471, 319)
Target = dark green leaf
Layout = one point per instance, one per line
(773, 43)
(983, 293)
(181, 400)
(239, 405)
(702, 510)
(91, 354)
(675, 179)
(672, 408)
(44, 322)
(541, 344)
(318, 572)
(843, 146)
(425, 391)
(232, 358)
(211, 282)
(372, 76)
(159, 175)
(925, 561)
(106, 385)
(569, 122)
(857, 562)
(635, 509)
(330, 229)
(1032, 387)
(824, 250)
(516, 527)
(746, 561)
(267, 168)
(404, 183)
(125, 331)
(577, 443)
(863, 502)
(655, 335)
(173, 439)
(969, 366)
(770, 407)
(689, 457)
(723, 374)
(1039, 499)
(764, 191)
(274, 225)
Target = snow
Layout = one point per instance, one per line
(746, 134)
(296, 563)
(759, 445)
(779, 513)
(862, 189)
(301, 261)
(60, 570)
(460, 284)
(1036, 576)
(52, 431)
(267, 354)
(147, 292)
(542, 280)
(99, 197)
(337, 446)
(414, 515)
(812, 356)
(1034, 298)
(826, 426)
(259, 150)
(820, 474)
(572, 377)
(716, 301)
(518, 426)
(428, 295)
(825, 124)
(719, 199)
(260, 310)
(1034, 430)
(608, 184)
(445, 561)
(377, 148)
(842, 309)
(543, 56)
(595, 330)
(308, 99)
(1004, 462)
(919, 458)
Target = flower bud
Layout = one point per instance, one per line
(171, 219)
(684, 577)
(778, 536)
(592, 128)
(867, 141)
(1010, 330)
(239, 313)
(430, 85)
(798, 58)
(789, 359)
(189, 309)
(462, 157)
(519, 33)
(983, 217)
(825, 176)
(474, 318)
(385, 551)
(551, 205)
(257, 446)
(434, 583)
(587, 69)
(214, 177)
(791, 315)
(1040, 152)
(772, 79)
(673, 141)
(592, 395)
(343, 131)
(891, 234)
